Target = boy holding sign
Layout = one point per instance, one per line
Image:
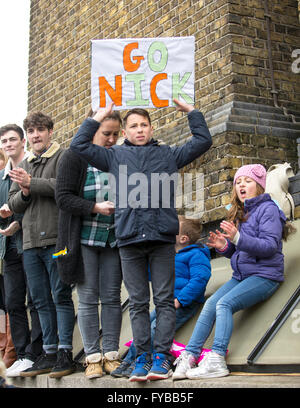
(146, 222)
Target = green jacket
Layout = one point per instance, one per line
(5, 222)
(40, 210)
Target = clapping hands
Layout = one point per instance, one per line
(218, 239)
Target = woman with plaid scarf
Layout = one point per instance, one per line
(87, 251)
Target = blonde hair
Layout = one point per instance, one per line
(191, 228)
(4, 158)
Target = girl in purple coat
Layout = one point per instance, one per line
(252, 238)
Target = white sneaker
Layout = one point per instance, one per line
(212, 365)
(13, 368)
(183, 363)
(18, 366)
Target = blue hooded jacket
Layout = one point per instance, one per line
(259, 248)
(192, 272)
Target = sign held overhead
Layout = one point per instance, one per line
(142, 72)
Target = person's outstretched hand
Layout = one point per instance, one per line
(216, 240)
(102, 113)
(183, 106)
(229, 228)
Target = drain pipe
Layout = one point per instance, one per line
(274, 92)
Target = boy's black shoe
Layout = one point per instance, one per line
(119, 371)
(44, 364)
(64, 364)
(128, 371)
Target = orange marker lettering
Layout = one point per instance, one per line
(127, 62)
(159, 103)
(115, 94)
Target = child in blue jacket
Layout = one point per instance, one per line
(192, 273)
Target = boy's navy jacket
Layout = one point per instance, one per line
(259, 248)
(134, 167)
(192, 272)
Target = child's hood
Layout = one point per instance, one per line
(203, 248)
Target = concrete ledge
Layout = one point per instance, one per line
(78, 380)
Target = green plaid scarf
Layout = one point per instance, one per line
(97, 229)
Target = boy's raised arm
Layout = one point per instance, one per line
(201, 139)
(97, 156)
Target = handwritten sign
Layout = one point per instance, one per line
(142, 72)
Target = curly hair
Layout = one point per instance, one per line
(36, 119)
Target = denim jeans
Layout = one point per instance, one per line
(228, 299)
(51, 297)
(102, 280)
(28, 343)
(136, 259)
(183, 314)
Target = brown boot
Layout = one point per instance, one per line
(93, 364)
(111, 361)
(10, 355)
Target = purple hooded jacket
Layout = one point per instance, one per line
(259, 248)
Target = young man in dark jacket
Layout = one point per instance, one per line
(27, 343)
(146, 222)
(32, 194)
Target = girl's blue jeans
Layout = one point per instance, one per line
(233, 296)
(102, 280)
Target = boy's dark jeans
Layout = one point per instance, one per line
(51, 297)
(136, 261)
(28, 343)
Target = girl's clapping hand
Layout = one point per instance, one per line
(216, 240)
(229, 228)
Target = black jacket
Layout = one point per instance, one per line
(142, 212)
(70, 182)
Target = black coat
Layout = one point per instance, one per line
(152, 220)
(72, 206)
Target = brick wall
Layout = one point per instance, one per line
(231, 61)
(231, 52)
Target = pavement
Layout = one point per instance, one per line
(107, 391)
(236, 380)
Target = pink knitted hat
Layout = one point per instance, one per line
(255, 171)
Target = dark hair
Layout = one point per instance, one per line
(191, 228)
(115, 115)
(14, 127)
(137, 111)
(35, 119)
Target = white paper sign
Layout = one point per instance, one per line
(142, 72)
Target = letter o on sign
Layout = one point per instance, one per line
(162, 63)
